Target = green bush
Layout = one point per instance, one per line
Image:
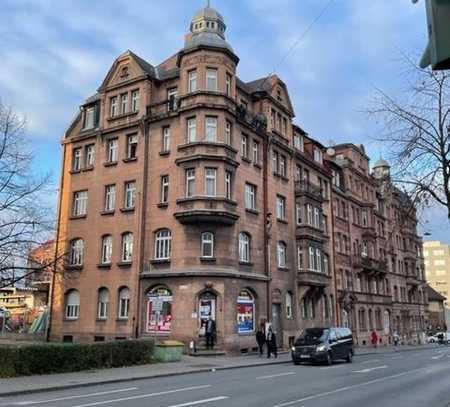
(59, 358)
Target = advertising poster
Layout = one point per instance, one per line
(245, 316)
(159, 313)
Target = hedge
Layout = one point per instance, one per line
(25, 360)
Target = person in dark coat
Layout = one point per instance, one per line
(271, 340)
(374, 338)
(210, 333)
(260, 340)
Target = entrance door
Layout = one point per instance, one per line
(276, 323)
(206, 309)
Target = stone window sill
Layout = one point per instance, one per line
(73, 267)
(160, 261)
(245, 263)
(125, 264)
(122, 320)
(129, 160)
(110, 164)
(246, 159)
(257, 165)
(74, 217)
(252, 211)
(104, 265)
(163, 205)
(162, 153)
(107, 213)
(89, 168)
(121, 116)
(103, 320)
(75, 171)
(208, 259)
(282, 221)
(283, 268)
(125, 210)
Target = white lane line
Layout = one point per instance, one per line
(397, 357)
(341, 389)
(194, 403)
(332, 367)
(79, 396)
(371, 361)
(370, 369)
(275, 375)
(438, 357)
(143, 396)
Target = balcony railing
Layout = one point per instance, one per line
(370, 264)
(306, 187)
(163, 109)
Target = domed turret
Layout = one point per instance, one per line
(207, 28)
(381, 169)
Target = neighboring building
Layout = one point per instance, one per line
(22, 304)
(436, 310)
(437, 269)
(378, 265)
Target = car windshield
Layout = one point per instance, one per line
(312, 336)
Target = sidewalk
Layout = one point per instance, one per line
(188, 364)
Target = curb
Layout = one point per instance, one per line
(132, 378)
(395, 351)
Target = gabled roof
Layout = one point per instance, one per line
(433, 295)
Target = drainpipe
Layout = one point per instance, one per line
(266, 143)
(336, 298)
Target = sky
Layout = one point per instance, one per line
(55, 53)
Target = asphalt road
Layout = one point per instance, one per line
(419, 378)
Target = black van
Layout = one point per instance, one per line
(323, 345)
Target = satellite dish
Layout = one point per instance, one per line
(331, 152)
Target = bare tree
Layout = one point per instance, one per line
(25, 219)
(416, 132)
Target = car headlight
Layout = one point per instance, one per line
(320, 348)
(293, 349)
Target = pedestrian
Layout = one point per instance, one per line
(210, 333)
(271, 340)
(260, 340)
(396, 338)
(374, 338)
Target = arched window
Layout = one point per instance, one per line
(244, 247)
(207, 244)
(106, 249)
(163, 244)
(76, 252)
(281, 254)
(370, 313)
(127, 247)
(159, 309)
(362, 319)
(124, 302)
(72, 304)
(289, 301)
(102, 303)
(245, 312)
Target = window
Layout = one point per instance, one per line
(284, 129)
(250, 196)
(276, 161)
(165, 139)
(113, 106)
(76, 160)
(283, 169)
(164, 189)
(80, 200)
(172, 99)
(135, 101)
(90, 155)
(228, 132)
(288, 301)
(106, 254)
(72, 304)
(127, 247)
(309, 214)
(89, 117)
(298, 142)
(228, 176)
(299, 258)
(318, 155)
(211, 79)
(281, 207)
(317, 218)
(318, 260)
(228, 80)
(244, 146)
(110, 198)
(191, 130)
(245, 312)
(192, 81)
(255, 152)
(112, 147)
(132, 141)
(210, 181)
(207, 245)
(281, 254)
(76, 252)
(102, 303)
(304, 307)
(312, 259)
(124, 302)
(298, 214)
(211, 129)
(244, 247)
(163, 243)
(130, 194)
(124, 103)
(190, 182)
(159, 310)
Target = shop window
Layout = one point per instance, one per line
(159, 310)
(245, 312)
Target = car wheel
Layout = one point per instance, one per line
(349, 358)
(329, 360)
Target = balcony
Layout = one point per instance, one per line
(206, 150)
(164, 109)
(201, 209)
(309, 232)
(370, 298)
(308, 189)
(313, 278)
(369, 264)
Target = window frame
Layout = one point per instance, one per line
(110, 197)
(191, 129)
(126, 255)
(106, 249)
(211, 180)
(207, 238)
(281, 254)
(192, 80)
(129, 195)
(250, 196)
(80, 203)
(244, 247)
(211, 129)
(165, 185)
(163, 244)
(213, 78)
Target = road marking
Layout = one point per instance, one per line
(371, 361)
(275, 375)
(341, 389)
(79, 396)
(370, 369)
(143, 396)
(332, 367)
(194, 403)
(437, 357)
(397, 357)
